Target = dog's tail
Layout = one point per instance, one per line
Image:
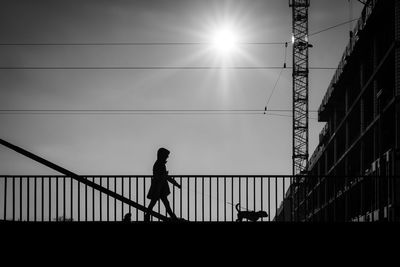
(237, 206)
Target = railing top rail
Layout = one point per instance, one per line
(204, 176)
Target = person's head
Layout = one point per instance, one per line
(162, 154)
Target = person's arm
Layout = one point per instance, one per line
(172, 181)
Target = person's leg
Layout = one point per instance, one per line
(168, 207)
(150, 207)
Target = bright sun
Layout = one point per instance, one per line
(224, 40)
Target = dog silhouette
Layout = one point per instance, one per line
(249, 215)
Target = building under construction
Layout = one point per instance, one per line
(352, 173)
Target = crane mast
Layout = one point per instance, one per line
(300, 84)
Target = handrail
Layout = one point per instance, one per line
(80, 179)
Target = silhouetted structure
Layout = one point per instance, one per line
(300, 84)
(359, 146)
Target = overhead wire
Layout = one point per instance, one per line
(147, 112)
(156, 68)
(138, 110)
(134, 44)
(154, 112)
(279, 76)
(332, 27)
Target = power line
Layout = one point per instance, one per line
(154, 113)
(279, 77)
(332, 27)
(273, 89)
(148, 112)
(140, 110)
(134, 44)
(156, 68)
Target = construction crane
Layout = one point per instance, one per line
(300, 84)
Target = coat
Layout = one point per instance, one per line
(159, 187)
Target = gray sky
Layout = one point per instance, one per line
(127, 144)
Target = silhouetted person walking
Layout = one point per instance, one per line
(159, 188)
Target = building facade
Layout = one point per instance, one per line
(352, 172)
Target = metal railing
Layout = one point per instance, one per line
(202, 198)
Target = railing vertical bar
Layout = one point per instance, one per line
(13, 200)
(144, 193)
(276, 197)
(202, 198)
(269, 199)
(217, 198)
(93, 200)
(262, 195)
(79, 201)
(27, 198)
(247, 193)
(64, 197)
(232, 193)
(35, 200)
(224, 199)
(173, 198)
(115, 201)
(86, 206)
(5, 199)
(291, 198)
(283, 198)
(20, 198)
(72, 194)
(240, 192)
(50, 178)
(137, 197)
(180, 204)
(122, 194)
(254, 192)
(57, 196)
(108, 199)
(42, 198)
(188, 198)
(195, 199)
(209, 178)
(100, 201)
(130, 193)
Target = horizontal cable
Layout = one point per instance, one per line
(153, 113)
(156, 68)
(332, 27)
(141, 110)
(134, 44)
(148, 112)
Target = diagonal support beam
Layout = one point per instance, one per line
(81, 179)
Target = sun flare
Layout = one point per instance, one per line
(224, 40)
